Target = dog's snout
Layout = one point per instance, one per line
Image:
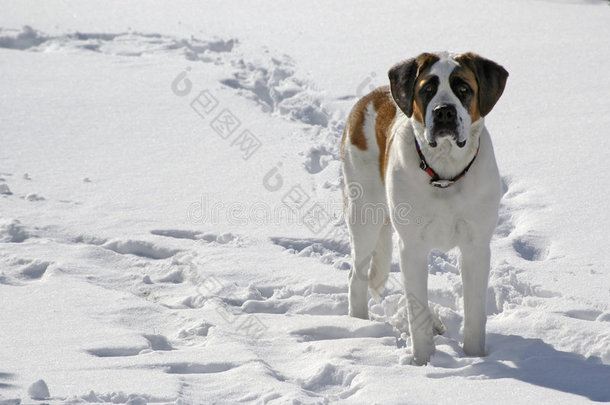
(444, 114)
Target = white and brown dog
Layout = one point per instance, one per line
(417, 157)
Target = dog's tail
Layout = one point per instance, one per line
(381, 262)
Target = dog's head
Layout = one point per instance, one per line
(447, 93)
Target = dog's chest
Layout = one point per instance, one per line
(443, 224)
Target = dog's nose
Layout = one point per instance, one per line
(444, 113)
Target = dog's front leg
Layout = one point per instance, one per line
(414, 267)
(475, 273)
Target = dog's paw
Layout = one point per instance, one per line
(475, 350)
(422, 357)
(358, 305)
(423, 346)
(362, 314)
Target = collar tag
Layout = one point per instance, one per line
(435, 181)
(442, 183)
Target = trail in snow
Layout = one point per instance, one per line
(281, 318)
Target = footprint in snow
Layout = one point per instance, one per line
(590, 315)
(331, 380)
(34, 270)
(328, 332)
(531, 247)
(125, 44)
(12, 231)
(196, 368)
(89, 240)
(140, 248)
(33, 197)
(221, 238)
(149, 344)
(326, 250)
(317, 158)
(177, 233)
(5, 190)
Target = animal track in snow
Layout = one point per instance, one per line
(267, 306)
(269, 81)
(153, 343)
(273, 85)
(158, 342)
(175, 276)
(592, 315)
(317, 158)
(123, 44)
(317, 299)
(326, 332)
(526, 243)
(531, 248)
(505, 288)
(123, 398)
(330, 379)
(117, 351)
(195, 368)
(326, 250)
(5, 190)
(11, 231)
(17, 270)
(34, 270)
(89, 240)
(199, 330)
(177, 233)
(220, 238)
(140, 248)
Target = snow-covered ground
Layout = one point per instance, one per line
(170, 204)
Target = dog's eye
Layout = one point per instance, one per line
(463, 90)
(429, 88)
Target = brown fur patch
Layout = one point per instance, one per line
(425, 62)
(386, 111)
(386, 153)
(490, 78)
(418, 105)
(467, 75)
(354, 130)
(355, 120)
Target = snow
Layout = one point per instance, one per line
(39, 390)
(161, 168)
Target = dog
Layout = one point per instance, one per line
(417, 158)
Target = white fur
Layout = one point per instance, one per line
(425, 217)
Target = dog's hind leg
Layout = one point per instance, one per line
(364, 240)
(365, 219)
(381, 262)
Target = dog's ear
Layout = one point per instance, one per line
(402, 80)
(491, 79)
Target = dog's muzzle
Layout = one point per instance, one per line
(445, 124)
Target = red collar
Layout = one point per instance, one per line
(435, 180)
